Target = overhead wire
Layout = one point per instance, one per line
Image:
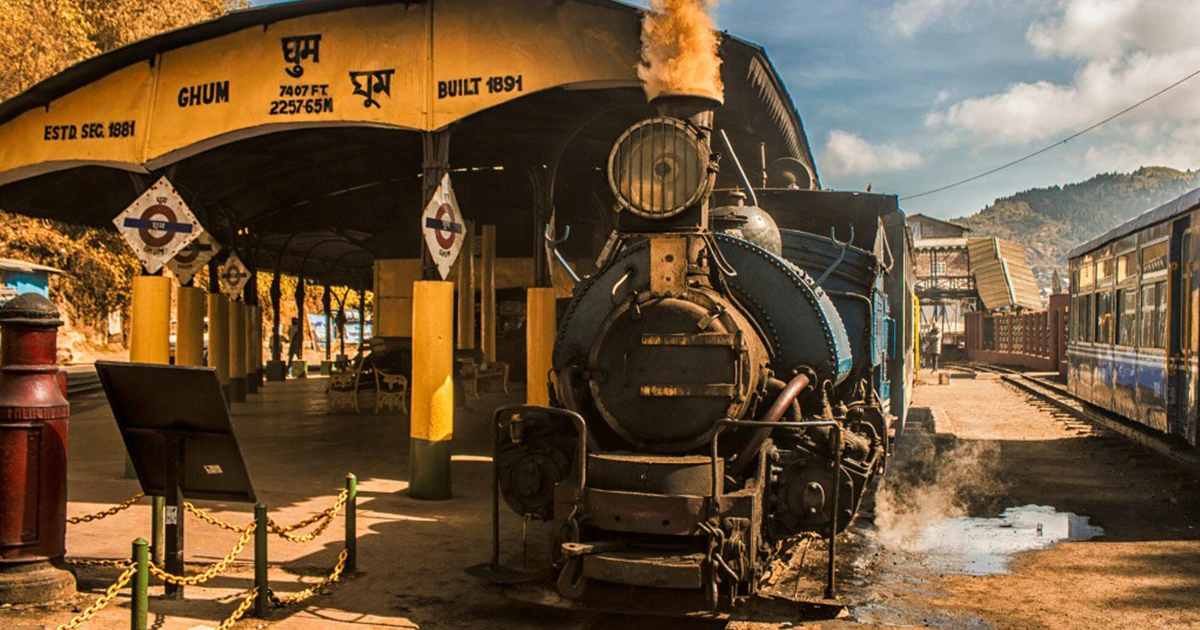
(1058, 143)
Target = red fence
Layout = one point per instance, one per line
(1032, 339)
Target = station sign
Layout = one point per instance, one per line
(234, 276)
(188, 262)
(443, 227)
(158, 225)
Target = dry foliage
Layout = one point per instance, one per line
(37, 39)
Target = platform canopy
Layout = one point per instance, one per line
(297, 131)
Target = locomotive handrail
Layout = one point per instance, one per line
(499, 423)
(714, 499)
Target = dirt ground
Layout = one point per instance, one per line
(982, 448)
(1143, 572)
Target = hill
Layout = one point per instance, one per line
(1050, 221)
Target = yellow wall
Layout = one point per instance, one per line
(429, 47)
(393, 296)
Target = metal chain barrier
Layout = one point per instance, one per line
(124, 505)
(280, 600)
(99, 563)
(322, 520)
(105, 599)
(212, 520)
(240, 611)
(210, 572)
(326, 519)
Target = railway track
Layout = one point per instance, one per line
(1058, 397)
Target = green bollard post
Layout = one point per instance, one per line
(156, 529)
(140, 601)
(262, 599)
(351, 523)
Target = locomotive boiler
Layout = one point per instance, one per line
(721, 387)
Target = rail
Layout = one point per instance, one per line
(1185, 458)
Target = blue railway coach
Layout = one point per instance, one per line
(1133, 342)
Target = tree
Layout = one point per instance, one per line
(37, 39)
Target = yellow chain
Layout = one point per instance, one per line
(124, 505)
(105, 599)
(336, 575)
(326, 518)
(240, 611)
(99, 563)
(211, 520)
(209, 573)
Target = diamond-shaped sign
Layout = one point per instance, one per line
(234, 276)
(158, 225)
(443, 227)
(192, 258)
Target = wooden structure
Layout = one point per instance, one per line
(1031, 339)
(1002, 276)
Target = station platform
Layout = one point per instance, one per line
(411, 553)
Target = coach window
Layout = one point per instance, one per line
(1127, 317)
(1164, 314)
(1149, 316)
(1104, 313)
(1154, 315)
(1154, 257)
(1088, 318)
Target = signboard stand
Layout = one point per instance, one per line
(178, 433)
(173, 491)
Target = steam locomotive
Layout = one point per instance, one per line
(729, 381)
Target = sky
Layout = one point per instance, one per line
(910, 95)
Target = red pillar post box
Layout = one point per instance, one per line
(33, 455)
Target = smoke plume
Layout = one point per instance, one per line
(679, 50)
(934, 485)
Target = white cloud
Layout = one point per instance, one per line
(1128, 50)
(910, 16)
(1097, 29)
(848, 154)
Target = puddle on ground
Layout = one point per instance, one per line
(985, 546)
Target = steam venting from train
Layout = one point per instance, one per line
(679, 50)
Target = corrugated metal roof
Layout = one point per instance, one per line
(12, 264)
(1176, 206)
(1003, 278)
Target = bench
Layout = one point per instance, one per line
(479, 375)
(346, 385)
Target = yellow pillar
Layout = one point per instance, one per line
(150, 325)
(466, 289)
(218, 338)
(237, 351)
(394, 309)
(432, 389)
(189, 326)
(253, 348)
(487, 290)
(540, 328)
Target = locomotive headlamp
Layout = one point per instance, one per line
(659, 167)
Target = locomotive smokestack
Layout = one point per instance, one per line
(680, 69)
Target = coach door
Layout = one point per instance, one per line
(1180, 340)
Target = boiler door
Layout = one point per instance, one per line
(665, 371)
